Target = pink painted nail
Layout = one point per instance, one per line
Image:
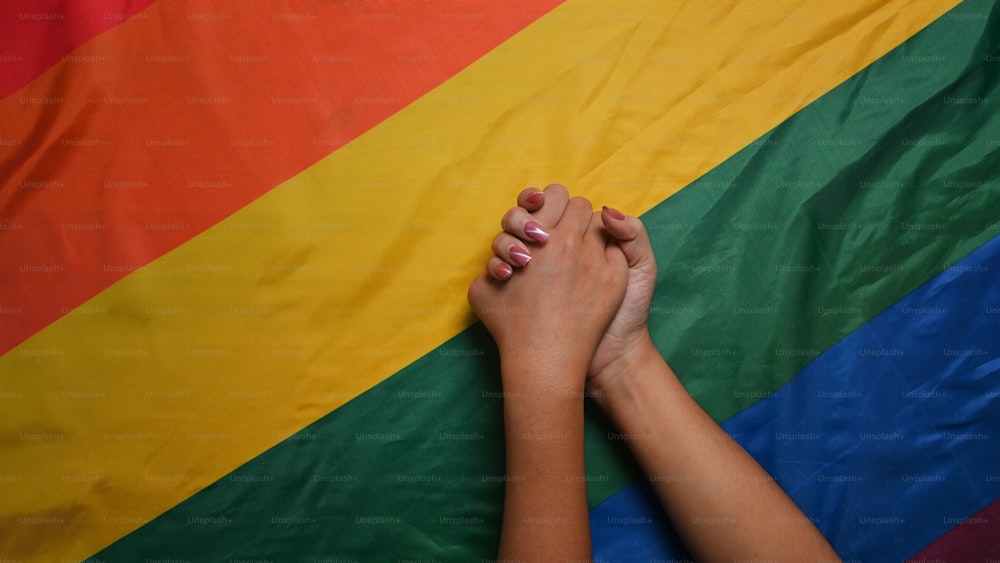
(519, 256)
(504, 270)
(614, 213)
(535, 231)
(534, 198)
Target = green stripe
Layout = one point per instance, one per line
(409, 469)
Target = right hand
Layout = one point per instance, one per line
(627, 338)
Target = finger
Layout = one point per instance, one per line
(595, 230)
(499, 270)
(631, 236)
(475, 293)
(531, 199)
(518, 222)
(576, 218)
(511, 250)
(554, 205)
(613, 254)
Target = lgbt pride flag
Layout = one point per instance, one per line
(235, 239)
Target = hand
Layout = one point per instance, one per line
(526, 226)
(627, 336)
(552, 315)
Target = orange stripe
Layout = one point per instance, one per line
(185, 131)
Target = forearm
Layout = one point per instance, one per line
(720, 500)
(545, 505)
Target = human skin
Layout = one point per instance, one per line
(547, 324)
(724, 505)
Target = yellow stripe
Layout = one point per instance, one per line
(345, 274)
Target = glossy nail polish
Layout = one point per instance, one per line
(504, 270)
(519, 256)
(535, 231)
(534, 198)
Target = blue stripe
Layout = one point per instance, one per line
(887, 440)
(632, 523)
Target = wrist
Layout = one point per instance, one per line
(622, 378)
(543, 372)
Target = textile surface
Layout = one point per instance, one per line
(236, 236)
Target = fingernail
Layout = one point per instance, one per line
(535, 231)
(504, 270)
(614, 213)
(519, 256)
(534, 198)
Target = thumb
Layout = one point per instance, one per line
(631, 236)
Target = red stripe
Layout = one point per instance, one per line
(171, 122)
(38, 33)
(977, 538)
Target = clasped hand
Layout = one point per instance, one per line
(566, 286)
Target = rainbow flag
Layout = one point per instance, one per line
(235, 239)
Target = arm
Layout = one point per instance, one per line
(547, 321)
(545, 514)
(722, 503)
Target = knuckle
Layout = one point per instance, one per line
(498, 242)
(473, 294)
(505, 220)
(557, 189)
(581, 202)
(513, 219)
